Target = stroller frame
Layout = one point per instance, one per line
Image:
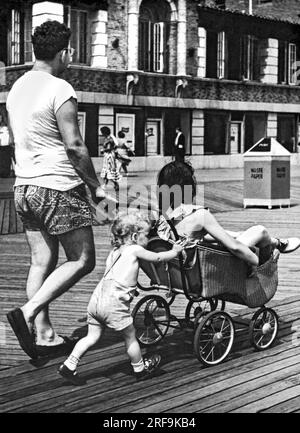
(214, 329)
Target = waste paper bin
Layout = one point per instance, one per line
(267, 174)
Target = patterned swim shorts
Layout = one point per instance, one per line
(56, 212)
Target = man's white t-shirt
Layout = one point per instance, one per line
(41, 158)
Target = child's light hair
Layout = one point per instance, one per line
(126, 224)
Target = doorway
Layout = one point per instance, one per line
(236, 141)
(153, 137)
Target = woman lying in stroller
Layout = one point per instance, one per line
(194, 222)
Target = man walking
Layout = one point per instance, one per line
(179, 145)
(52, 166)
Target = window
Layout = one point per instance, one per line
(221, 55)
(77, 20)
(250, 57)
(215, 132)
(292, 63)
(286, 131)
(255, 128)
(154, 36)
(19, 47)
(152, 47)
(287, 67)
(158, 47)
(27, 35)
(215, 54)
(15, 38)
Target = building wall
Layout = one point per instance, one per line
(192, 41)
(281, 9)
(117, 29)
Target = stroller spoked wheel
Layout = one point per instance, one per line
(214, 337)
(263, 328)
(194, 308)
(151, 319)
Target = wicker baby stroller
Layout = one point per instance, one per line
(208, 276)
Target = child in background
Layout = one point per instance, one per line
(110, 302)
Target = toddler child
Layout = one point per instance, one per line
(109, 305)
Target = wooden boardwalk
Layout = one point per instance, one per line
(248, 381)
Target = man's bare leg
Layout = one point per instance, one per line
(80, 252)
(44, 255)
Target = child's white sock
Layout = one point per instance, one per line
(138, 366)
(72, 362)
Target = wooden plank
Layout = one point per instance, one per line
(5, 222)
(2, 207)
(286, 406)
(12, 219)
(281, 391)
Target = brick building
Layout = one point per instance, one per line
(225, 76)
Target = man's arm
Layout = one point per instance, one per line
(77, 151)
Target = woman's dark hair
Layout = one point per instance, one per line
(173, 174)
(105, 130)
(49, 38)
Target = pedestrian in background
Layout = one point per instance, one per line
(110, 171)
(122, 153)
(179, 145)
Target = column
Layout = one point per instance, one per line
(99, 40)
(44, 11)
(198, 132)
(269, 61)
(272, 125)
(133, 35)
(181, 38)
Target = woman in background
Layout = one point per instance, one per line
(109, 170)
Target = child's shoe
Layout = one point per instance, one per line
(150, 364)
(70, 376)
(288, 245)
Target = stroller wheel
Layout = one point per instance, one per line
(151, 319)
(263, 328)
(194, 308)
(214, 338)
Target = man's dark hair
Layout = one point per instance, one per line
(121, 134)
(49, 38)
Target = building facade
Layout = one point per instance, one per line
(227, 77)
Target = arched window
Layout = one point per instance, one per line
(154, 35)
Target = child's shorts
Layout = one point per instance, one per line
(109, 306)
